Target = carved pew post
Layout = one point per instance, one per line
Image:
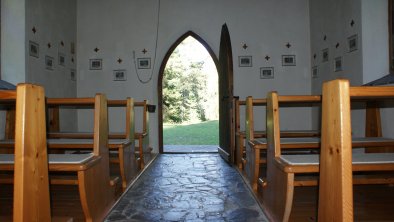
(31, 185)
(336, 182)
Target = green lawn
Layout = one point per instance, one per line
(205, 133)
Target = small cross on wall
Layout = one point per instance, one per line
(288, 45)
(34, 29)
(245, 46)
(144, 51)
(120, 60)
(96, 49)
(267, 57)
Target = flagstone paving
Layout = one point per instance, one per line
(188, 187)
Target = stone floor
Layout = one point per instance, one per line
(190, 148)
(188, 187)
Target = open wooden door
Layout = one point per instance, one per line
(226, 133)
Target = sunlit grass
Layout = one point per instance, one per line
(204, 133)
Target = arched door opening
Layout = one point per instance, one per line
(188, 97)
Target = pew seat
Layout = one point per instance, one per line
(284, 171)
(90, 172)
(119, 149)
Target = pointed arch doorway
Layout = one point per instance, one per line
(161, 75)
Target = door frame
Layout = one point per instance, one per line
(161, 75)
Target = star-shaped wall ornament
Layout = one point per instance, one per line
(352, 23)
(49, 45)
(288, 45)
(120, 60)
(144, 51)
(96, 49)
(267, 57)
(245, 46)
(34, 29)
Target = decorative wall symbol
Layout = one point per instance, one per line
(267, 57)
(314, 72)
(49, 62)
(245, 61)
(325, 55)
(62, 59)
(49, 45)
(95, 64)
(314, 56)
(352, 23)
(338, 64)
(120, 60)
(288, 60)
(288, 45)
(62, 43)
(96, 49)
(34, 29)
(325, 38)
(34, 49)
(144, 51)
(72, 59)
(245, 46)
(143, 63)
(266, 72)
(119, 75)
(352, 43)
(337, 45)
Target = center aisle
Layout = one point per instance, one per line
(188, 187)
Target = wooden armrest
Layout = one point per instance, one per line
(75, 167)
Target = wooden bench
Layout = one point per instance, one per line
(121, 145)
(142, 136)
(90, 171)
(336, 179)
(31, 187)
(284, 172)
(255, 150)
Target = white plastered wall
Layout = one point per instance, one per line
(333, 19)
(117, 28)
(54, 21)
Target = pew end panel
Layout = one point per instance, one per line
(31, 186)
(336, 182)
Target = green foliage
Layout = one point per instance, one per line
(205, 133)
(184, 90)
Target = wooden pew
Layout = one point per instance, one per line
(121, 144)
(91, 171)
(240, 135)
(286, 171)
(142, 136)
(255, 157)
(31, 187)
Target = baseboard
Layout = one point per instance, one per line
(224, 154)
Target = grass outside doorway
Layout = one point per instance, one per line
(204, 133)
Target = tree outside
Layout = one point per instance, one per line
(190, 91)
